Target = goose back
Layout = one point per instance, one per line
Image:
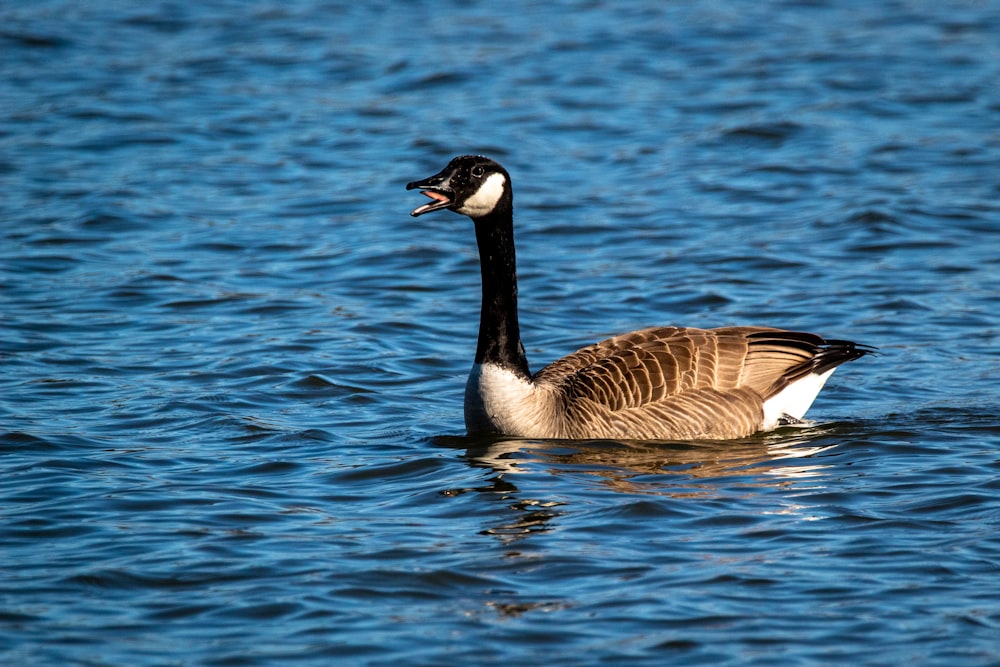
(680, 382)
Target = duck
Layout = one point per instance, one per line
(661, 383)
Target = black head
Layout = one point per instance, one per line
(472, 185)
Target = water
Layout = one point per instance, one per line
(230, 407)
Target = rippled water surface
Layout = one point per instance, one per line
(230, 405)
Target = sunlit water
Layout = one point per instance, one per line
(230, 406)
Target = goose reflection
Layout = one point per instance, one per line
(792, 457)
(789, 456)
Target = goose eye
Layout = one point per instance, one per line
(478, 171)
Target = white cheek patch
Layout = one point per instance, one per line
(485, 198)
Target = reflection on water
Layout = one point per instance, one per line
(639, 467)
(678, 470)
(530, 516)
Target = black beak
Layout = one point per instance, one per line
(435, 187)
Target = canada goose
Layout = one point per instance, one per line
(663, 383)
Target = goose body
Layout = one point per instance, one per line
(663, 383)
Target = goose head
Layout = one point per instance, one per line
(472, 185)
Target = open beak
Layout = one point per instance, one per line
(437, 189)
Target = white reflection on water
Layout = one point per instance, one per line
(629, 466)
(768, 475)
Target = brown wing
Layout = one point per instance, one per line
(684, 382)
(777, 358)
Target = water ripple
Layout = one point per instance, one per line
(234, 364)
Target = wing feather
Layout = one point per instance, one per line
(671, 382)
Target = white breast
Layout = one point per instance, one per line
(499, 400)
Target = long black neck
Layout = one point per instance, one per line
(499, 333)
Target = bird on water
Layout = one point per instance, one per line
(661, 383)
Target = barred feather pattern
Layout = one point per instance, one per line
(681, 383)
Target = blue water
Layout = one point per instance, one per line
(233, 365)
